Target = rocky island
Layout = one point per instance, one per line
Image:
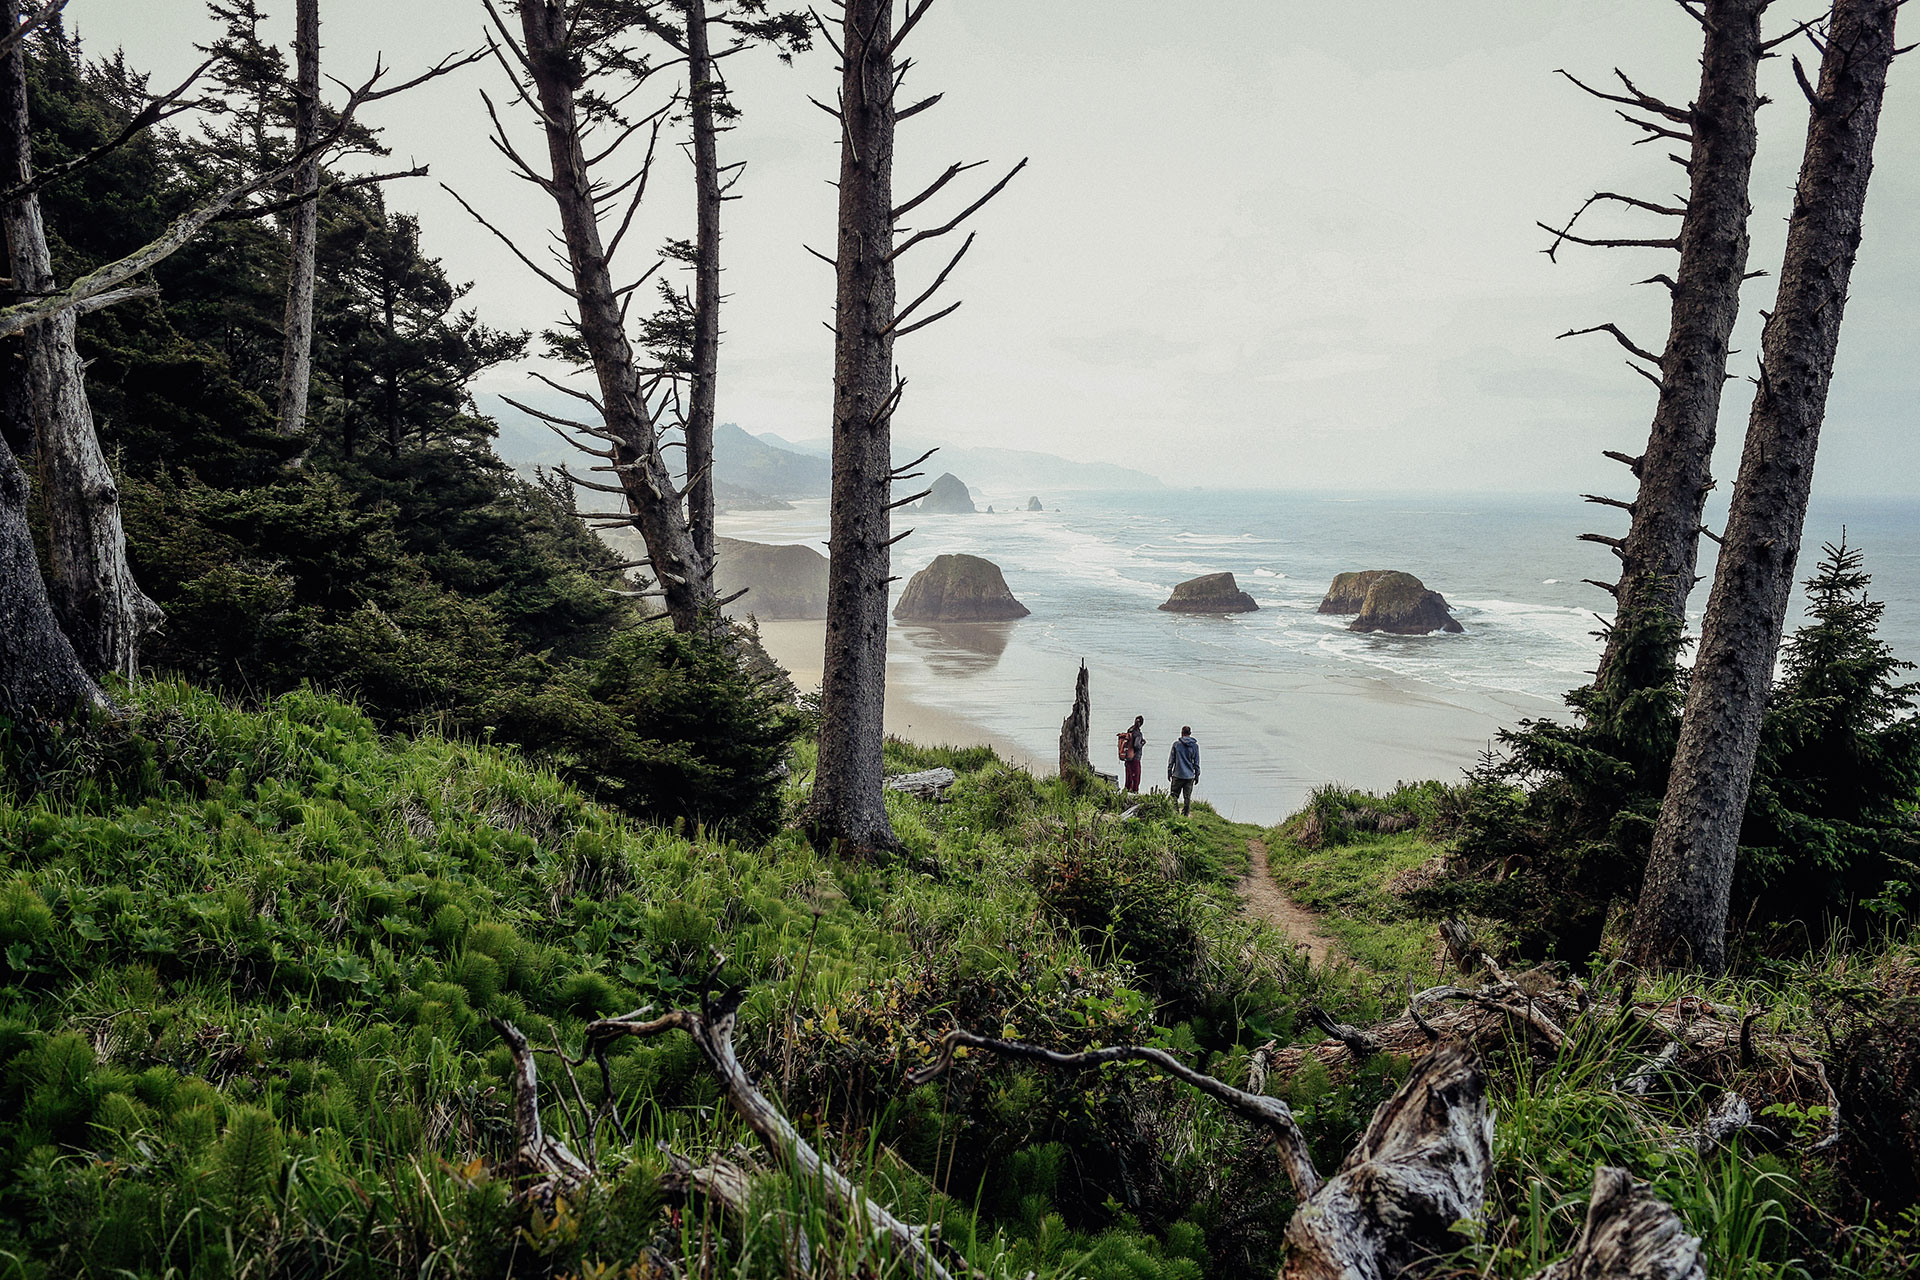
(949, 496)
(959, 588)
(780, 581)
(1390, 601)
(1210, 593)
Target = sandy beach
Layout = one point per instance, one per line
(800, 648)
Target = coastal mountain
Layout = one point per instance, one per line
(749, 467)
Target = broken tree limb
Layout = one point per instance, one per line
(1630, 1234)
(1269, 1113)
(711, 1029)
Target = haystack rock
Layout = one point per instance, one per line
(949, 496)
(959, 588)
(1213, 593)
(1400, 604)
(1033, 504)
(781, 581)
(1349, 590)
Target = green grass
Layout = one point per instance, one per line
(1346, 878)
(248, 958)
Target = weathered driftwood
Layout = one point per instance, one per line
(1420, 1167)
(711, 1029)
(550, 1168)
(1630, 1234)
(928, 784)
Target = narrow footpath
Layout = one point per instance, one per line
(1265, 901)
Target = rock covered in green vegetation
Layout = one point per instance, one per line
(1210, 593)
(1400, 604)
(780, 581)
(959, 588)
(949, 496)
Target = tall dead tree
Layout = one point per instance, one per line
(848, 808)
(1682, 914)
(296, 362)
(101, 608)
(561, 49)
(1659, 553)
(689, 32)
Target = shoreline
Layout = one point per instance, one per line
(799, 646)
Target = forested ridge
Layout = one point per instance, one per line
(394, 879)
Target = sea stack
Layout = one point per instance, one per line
(959, 588)
(780, 581)
(949, 496)
(1349, 590)
(1394, 602)
(1033, 504)
(1212, 593)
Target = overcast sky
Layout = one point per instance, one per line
(1259, 243)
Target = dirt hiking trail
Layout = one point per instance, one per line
(1265, 901)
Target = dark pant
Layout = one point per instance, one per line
(1133, 773)
(1183, 793)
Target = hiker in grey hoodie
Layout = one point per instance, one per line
(1183, 767)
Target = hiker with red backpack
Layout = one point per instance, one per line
(1133, 744)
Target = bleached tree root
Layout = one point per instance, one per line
(1421, 1166)
(1630, 1234)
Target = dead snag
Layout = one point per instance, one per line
(1681, 919)
(1717, 138)
(848, 808)
(1630, 1234)
(1076, 729)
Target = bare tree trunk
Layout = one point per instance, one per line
(1682, 915)
(41, 678)
(1661, 549)
(848, 807)
(684, 575)
(296, 361)
(705, 354)
(101, 608)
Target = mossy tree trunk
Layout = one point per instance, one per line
(848, 806)
(1682, 916)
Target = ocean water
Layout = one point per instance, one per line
(1286, 698)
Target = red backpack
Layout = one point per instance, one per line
(1126, 745)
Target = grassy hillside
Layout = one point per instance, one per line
(250, 960)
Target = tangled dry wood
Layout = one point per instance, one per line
(1422, 1165)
